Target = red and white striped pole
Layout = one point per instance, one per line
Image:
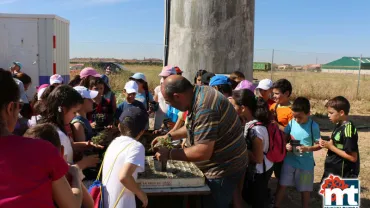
(54, 54)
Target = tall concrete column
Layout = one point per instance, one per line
(215, 35)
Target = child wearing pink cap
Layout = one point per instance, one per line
(245, 84)
(83, 79)
(160, 114)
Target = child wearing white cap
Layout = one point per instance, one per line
(264, 90)
(56, 80)
(129, 92)
(81, 128)
(143, 95)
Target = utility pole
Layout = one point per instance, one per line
(272, 62)
(359, 75)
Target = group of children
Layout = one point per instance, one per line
(268, 103)
(303, 138)
(69, 116)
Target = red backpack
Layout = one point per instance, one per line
(277, 149)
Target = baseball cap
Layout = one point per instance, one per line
(135, 119)
(207, 77)
(42, 86)
(138, 75)
(86, 93)
(89, 72)
(40, 90)
(131, 87)
(245, 84)
(56, 79)
(219, 80)
(18, 64)
(167, 71)
(264, 84)
(178, 70)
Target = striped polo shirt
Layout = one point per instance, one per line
(213, 118)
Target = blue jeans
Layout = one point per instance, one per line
(222, 190)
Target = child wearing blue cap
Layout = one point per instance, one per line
(222, 84)
(16, 68)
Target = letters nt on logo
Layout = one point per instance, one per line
(339, 193)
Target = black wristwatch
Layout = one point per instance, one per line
(169, 136)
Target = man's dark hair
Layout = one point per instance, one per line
(301, 104)
(46, 131)
(283, 85)
(180, 86)
(339, 103)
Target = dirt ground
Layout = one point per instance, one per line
(292, 197)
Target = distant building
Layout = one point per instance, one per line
(349, 65)
(285, 67)
(312, 67)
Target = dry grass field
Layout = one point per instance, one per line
(318, 87)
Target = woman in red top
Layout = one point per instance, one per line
(32, 171)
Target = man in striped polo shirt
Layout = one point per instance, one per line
(215, 133)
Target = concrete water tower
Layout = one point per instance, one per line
(215, 35)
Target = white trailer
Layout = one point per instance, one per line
(39, 42)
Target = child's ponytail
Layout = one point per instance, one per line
(262, 112)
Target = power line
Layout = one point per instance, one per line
(122, 43)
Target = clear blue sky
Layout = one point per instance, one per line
(134, 28)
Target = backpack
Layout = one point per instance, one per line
(96, 189)
(277, 150)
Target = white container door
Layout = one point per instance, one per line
(23, 47)
(4, 62)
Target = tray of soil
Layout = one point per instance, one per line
(179, 174)
(163, 142)
(104, 138)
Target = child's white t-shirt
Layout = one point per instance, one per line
(134, 154)
(261, 133)
(160, 114)
(66, 142)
